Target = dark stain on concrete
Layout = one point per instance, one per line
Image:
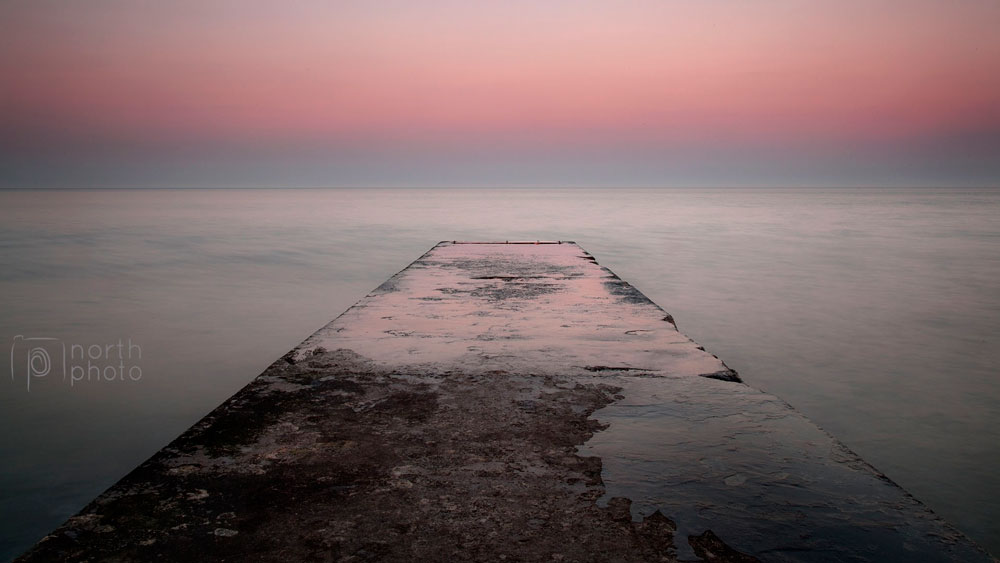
(513, 290)
(614, 368)
(724, 375)
(625, 292)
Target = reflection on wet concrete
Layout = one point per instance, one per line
(725, 457)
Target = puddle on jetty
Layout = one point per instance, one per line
(726, 457)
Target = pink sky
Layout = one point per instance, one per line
(550, 75)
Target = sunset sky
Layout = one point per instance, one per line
(513, 93)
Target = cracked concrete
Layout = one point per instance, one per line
(503, 402)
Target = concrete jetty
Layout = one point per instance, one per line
(504, 401)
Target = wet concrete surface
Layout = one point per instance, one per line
(504, 402)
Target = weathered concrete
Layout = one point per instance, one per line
(504, 401)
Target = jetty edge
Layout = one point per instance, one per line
(504, 401)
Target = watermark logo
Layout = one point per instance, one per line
(37, 357)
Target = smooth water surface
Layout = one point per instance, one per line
(874, 312)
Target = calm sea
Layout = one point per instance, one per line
(875, 312)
